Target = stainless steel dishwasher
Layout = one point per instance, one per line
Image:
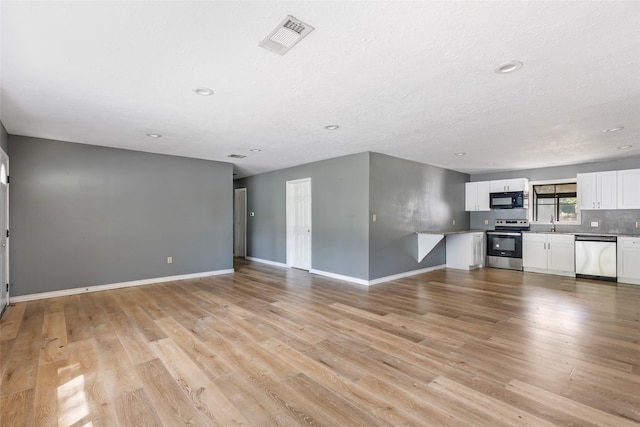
(596, 257)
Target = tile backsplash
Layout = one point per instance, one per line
(619, 221)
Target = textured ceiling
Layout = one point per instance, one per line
(410, 79)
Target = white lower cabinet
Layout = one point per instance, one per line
(549, 253)
(629, 260)
(465, 250)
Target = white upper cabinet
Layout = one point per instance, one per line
(476, 196)
(502, 185)
(598, 190)
(629, 189)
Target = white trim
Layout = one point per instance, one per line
(552, 272)
(377, 281)
(573, 180)
(578, 220)
(629, 280)
(266, 261)
(340, 277)
(289, 222)
(97, 288)
(406, 274)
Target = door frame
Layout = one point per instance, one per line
(289, 214)
(5, 157)
(239, 222)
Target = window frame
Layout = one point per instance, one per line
(532, 207)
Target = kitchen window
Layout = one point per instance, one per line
(555, 202)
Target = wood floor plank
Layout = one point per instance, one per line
(586, 413)
(77, 321)
(133, 342)
(276, 346)
(203, 354)
(502, 413)
(54, 337)
(171, 404)
(202, 392)
(22, 364)
(15, 409)
(136, 409)
(46, 394)
(10, 322)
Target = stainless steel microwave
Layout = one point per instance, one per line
(508, 200)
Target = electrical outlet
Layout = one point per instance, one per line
(637, 224)
(595, 224)
(374, 217)
(169, 260)
(486, 222)
(454, 222)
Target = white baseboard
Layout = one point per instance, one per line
(630, 281)
(405, 274)
(340, 277)
(376, 281)
(97, 288)
(266, 261)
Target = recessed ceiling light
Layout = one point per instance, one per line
(624, 147)
(331, 127)
(460, 154)
(154, 135)
(255, 150)
(491, 164)
(203, 91)
(619, 128)
(509, 67)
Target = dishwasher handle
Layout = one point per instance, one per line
(584, 238)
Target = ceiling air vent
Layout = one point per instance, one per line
(236, 156)
(286, 35)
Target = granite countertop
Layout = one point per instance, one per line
(583, 233)
(446, 233)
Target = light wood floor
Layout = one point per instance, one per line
(269, 346)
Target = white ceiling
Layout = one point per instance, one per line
(410, 79)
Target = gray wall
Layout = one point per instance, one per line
(83, 215)
(559, 172)
(407, 197)
(610, 221)
(4, 139)
(339, 211)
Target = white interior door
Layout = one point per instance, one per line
(4, 231)
(240, 222)
(299, 223)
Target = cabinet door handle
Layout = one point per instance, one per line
(544, 246)
(598, 205)
(594, 204)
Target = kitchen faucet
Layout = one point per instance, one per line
(553, 224)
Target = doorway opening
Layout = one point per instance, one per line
(240, 223)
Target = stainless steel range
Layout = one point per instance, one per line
(504, 244)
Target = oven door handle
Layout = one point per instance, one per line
(499, 233)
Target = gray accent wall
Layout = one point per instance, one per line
(610, 221)
(339, 212)
(406, 197)
(4, 139)
(84, 215)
